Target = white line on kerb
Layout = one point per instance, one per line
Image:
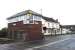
(48, 44)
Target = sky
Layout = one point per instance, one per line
(63, 10)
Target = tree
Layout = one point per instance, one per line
(3, 32)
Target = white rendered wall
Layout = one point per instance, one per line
(50, 25)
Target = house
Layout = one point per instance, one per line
(70, 28)
(29, 25)
(65, 31)
(52, 26)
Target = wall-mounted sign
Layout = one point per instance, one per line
(29, 13)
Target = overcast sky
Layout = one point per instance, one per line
(63, 10)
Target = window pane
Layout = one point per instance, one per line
(49, 30)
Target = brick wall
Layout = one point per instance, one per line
(33, 31)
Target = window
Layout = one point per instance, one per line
(58, 30)
(44, 31)
(31, 18)
(25, 21)
(31, 22)
(25, 17)
(52, 25)
(57, 26)
(37, 18)
(49, 30)
(19, 18)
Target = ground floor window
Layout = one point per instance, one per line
(49, 30)
(44, 31)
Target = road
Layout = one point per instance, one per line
(65, 44)
(62, 42)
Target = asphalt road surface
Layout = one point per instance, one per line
(62, 42)
(65, 44)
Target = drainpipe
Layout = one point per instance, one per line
(61, 29)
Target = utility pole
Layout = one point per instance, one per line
(41, 11)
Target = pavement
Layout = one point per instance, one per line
(61, 42)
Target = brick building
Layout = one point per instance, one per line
(29, 25)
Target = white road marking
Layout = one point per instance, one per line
(48, 44)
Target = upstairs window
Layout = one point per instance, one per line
(25, 22)
(37, 18)
(31, 22)
(31, 18)
(28, 22)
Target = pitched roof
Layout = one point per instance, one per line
(34, 13)
(50, 19)
(69, 25)
(24, 13)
